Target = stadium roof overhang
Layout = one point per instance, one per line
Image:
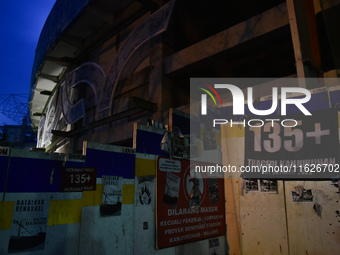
(73, 29)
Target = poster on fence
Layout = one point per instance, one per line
(112, 195)
(145, 190)
(297, 147)
(29, 225)
(190, 207)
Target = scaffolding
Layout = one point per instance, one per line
(15, 107)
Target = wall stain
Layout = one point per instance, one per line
(123, 230)
(318, 209)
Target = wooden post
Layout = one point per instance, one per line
(296, 42)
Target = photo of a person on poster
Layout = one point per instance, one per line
(195, 193)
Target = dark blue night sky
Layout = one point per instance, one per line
(20, 24)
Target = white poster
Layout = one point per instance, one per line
(112, 195)
(171, 189)
(145, 190)
(29, 225)
(214, 247)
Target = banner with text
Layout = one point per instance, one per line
(78, 179)
(189, 207)
(29, 224)
(298, 147)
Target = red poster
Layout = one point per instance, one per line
(78, 179)
(189, 206)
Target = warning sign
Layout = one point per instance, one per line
(188, 208)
